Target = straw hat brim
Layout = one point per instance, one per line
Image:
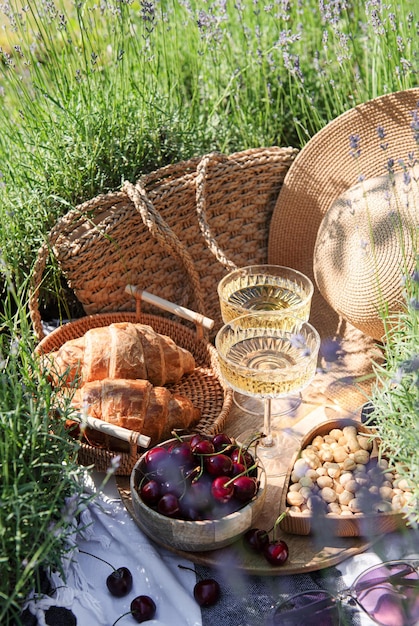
(323, 170)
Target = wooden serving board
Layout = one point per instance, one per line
(306, 553)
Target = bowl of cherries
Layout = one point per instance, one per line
(197, 493)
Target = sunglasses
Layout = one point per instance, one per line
(388, 593)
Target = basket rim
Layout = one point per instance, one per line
(209, 425)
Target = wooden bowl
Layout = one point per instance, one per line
(194, 536)
(318, 523)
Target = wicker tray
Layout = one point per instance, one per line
(203, 387)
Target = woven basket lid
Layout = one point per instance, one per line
(356, 145)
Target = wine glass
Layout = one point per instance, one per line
(268, 355)
(265, 288)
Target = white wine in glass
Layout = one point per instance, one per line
(265, 288)
(267, 355)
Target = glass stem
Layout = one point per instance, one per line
(267, 428)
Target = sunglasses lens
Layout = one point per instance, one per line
(390, 594)
(316, 608)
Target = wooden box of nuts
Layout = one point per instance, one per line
(339, 484)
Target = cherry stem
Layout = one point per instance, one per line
(121, 616)
(244, 473)
(98, 558)
(256, 440)
(277, 522)
(190, 569)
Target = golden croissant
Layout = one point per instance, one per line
(121, 350)
(137, 405)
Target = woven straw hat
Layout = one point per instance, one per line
(365, 246)
(354, 147)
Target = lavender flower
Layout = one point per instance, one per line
(390, 166)
(415, 124)
(115, 463)
(354, 141)
(414, 304)
(407, 178)
(381, 134)
(331, 350)
(298, 341)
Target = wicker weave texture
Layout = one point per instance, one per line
(203, 387)
(172, 233)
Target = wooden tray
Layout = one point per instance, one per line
(306, 554)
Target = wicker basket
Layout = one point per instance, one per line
(173, 233)
(203, 387)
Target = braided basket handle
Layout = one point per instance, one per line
(61, 226)
(202, 171)
(162, 232)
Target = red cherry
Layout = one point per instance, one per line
(245, 488)
(150, 492)
(155, 458)
(119, 583)
(206, 592)
(240, 455)
(205, 446)
(256, 539)
(182, 454)
(237, 468)
(218, 464)
(276, 552)
(222, 489)
(221, 441)
(143, 608)
(168, 505)
(194, 440)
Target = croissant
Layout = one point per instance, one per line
(120, 350)
(137, 405)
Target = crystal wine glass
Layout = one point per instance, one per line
(267, 355)
(265, 288)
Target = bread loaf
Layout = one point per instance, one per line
(122, 350)
(137, 405)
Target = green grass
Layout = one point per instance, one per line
(95, 93)
(94, 96)
(38, 469)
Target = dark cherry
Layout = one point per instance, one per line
(256, 539)
(243, 456)
(174, 486)
(119, 583)
(194, 440)
(237, 468)
(150, 492)
(221, 441)
(206, 592)
(182, 454)
(218, 464)
(205, 446)
(168, 505)
(143, 608)
(245, 488)
(155, 458)
(199, 494)
(222, 489)
(276, 552)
